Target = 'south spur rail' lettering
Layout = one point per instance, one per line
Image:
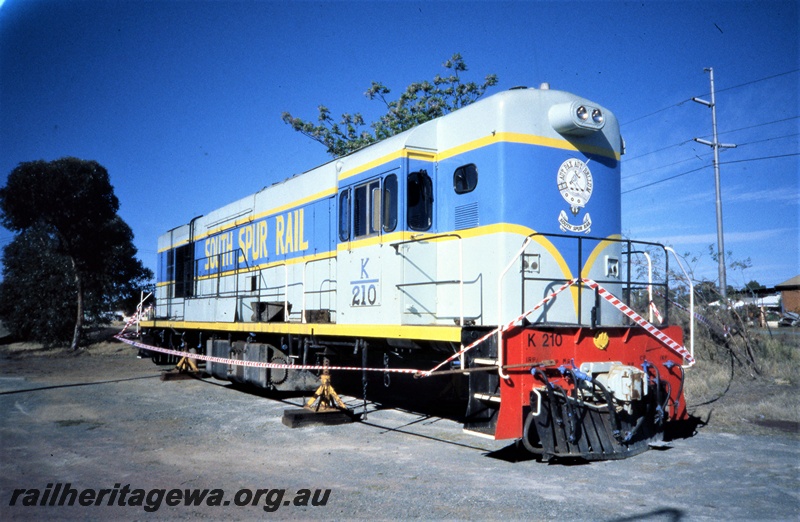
(250, 243)
(151, 500)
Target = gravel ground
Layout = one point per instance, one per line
(104, 420)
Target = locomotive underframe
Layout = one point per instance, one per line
(558, 399)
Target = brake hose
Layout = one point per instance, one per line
(659, 404)
(577, 374)
(670, 365)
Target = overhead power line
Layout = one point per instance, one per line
(656, 112)
(706, 94)
(629, 159)
(757, 125)
(665, 179)
(708, 166)
(697, 156)
(658, 150)
(756, 81)
(760, 159)
(770, 139)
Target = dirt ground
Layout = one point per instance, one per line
(748, 403)
(720, 411)
(102, 419)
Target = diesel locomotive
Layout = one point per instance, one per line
(485, 245)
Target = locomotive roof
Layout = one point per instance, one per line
(519, 111)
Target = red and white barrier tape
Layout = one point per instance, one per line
(503, 328)
(256, 364)
(136, 317)
(638, 319)
(605, 294)
(654, 308)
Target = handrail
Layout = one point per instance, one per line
(423, 283)
(511, 263)
(691, 300)
(649, 278)
(629, 280)
(218, 273)
(305, 267)
(460, 280)
(285, 286)
(285, 292)
(140, 307)
(416, 238)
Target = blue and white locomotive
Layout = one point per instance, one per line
(419, 245)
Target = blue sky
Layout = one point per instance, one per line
(181, 101)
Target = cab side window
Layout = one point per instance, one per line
(390, 203)
(367, 209)
(465, 178)
(420, 201)
(372, 206)
(344, 215)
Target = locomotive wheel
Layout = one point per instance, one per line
(530, 437)
(278, 375)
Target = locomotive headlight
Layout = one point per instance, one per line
(573, 118)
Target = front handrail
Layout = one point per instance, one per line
(500, 354)
(460, 279)
(691, 300)
(649, 278)
(628, 282)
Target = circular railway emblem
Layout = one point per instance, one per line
(575, 184)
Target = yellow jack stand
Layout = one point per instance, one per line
(185, 369)
(325, 398)
(323, 408)
(186, 365)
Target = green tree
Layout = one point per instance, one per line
(37, 288)
(420, 102)
(752, 286)
(73, 256)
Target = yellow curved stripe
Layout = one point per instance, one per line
(497, 137)
(507, 137)
(527, 139)
(592, 259)
(485, 230)
(402, 153)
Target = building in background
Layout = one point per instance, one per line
(790, 294)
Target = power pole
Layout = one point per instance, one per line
(723, 284)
